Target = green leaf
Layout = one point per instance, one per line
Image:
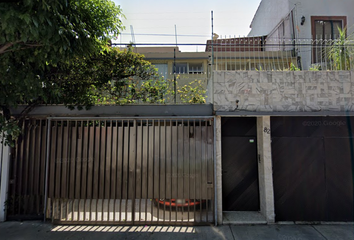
(35, 22)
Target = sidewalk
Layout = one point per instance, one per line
(38, 231)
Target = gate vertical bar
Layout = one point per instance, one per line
(108, 176)
(151, 166)
(25, 171)
(163, 163)
(34, 169)
(114, 166)
(139, 164)
(38, 183)
(90, 182)
(186, 167)
(126, 169)
(103, 131)
(179, 161)
(120, 166)
(65, 173)
(146, 165)
(157, 164)
(84, 164)
(195, 169)
(73, 155)
(215, 177)
(53, 152)
(201, 168)
(132, 167)
(47, 169)
(170, 178)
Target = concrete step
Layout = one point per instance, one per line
(243, 217)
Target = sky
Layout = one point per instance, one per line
(157, 21)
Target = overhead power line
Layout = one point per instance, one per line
(164, 35)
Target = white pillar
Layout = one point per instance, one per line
(265, 171)
(4, 178)
(218, 170)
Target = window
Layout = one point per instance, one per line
(181, 68)
(162, 69)
(325, 28)
(190, 68)
(195, 68)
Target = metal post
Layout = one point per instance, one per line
(176, 34)
(47, 169)
(212, 58)
(174, 76)
(215, 178)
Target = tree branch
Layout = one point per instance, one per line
(28, 109)
(5, 48)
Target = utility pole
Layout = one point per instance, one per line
(133, 36)
(176, 34)
(212, 58)
(174, 75)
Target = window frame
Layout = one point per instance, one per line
(343, 19)
(196, 71)
(326, 18)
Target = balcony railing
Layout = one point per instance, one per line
(282, 54)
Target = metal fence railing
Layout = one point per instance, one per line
(282, 54)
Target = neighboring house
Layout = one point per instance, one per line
(287, 22)
(170, 61)
(184, 66)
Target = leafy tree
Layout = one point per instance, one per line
(111, 77)
(38, 38)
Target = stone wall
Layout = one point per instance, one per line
(271, 91)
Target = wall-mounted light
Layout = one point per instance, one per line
(303, 20)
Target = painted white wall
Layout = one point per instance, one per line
(271, 12)
(320, 8)
(268, 15)
(4, 178)
(308, 8)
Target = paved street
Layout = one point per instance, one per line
(38, 230)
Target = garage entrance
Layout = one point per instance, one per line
(312, 168)
(239, 164)
(115, 171)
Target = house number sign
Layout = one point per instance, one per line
(266, 130)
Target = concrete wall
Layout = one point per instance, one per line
(299, 91)
(218, 170)
(265, 169)
(4, 178)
